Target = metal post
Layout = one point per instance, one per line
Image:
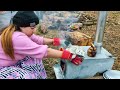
(100, 30)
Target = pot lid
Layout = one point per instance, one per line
(111, 74)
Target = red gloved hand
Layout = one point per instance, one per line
(75, 59)
(61, 42)
(56, 41)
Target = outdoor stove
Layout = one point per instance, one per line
(90, 66)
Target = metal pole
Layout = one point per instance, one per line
(100, 30)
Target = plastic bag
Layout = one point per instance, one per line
(5, 18)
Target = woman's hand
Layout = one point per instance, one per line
(74, 58)
(61, 42)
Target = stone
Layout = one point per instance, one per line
(80, 39)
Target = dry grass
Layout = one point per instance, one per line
(111, 40)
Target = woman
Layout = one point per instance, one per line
(21, 51)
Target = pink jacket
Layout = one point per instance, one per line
(24, 46)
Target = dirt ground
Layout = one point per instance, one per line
(111, 40)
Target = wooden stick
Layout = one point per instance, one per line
(92, 45)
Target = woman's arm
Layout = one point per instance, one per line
(56, 42)
(52, 53)
(47, 41)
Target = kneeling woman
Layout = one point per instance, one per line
(21, 51)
